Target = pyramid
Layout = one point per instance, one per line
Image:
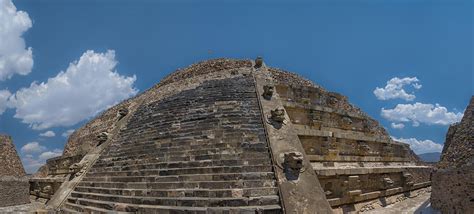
(14, 186)
(453, 180)
(233, 136)
(10, 164)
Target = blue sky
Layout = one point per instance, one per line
(351, 47)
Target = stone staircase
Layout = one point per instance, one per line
(202, 150)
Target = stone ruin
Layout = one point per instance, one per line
(13, 181)
(231, 136)
(453, 177)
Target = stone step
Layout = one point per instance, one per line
(244, 192)
(142, 164)
(157, 153)
(182, 146)
(183, 171)
(151, 161)
(180, 201)
(107, 206)
(78, 208)
(243, 156)
(192, 185)
(197, 131)
(184, 178)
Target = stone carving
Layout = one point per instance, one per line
(258, 62)
(47, 189)
(332, 100)
(268, 91)
(352, 184)
(78, 169)
(363, 148)
(347, 121)
(315, 116)
(387, 182)
(293, 164)
(102, 137)
(278, 115)
(407, 179)
(122, 113)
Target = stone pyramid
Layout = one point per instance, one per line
(233, 136)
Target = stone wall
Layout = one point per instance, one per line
(453, 180)
(452, 190)
(83, 139)
(13, 191)
(10, 164)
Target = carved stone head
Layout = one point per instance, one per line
(294, 160)
(332, 100)
(278, 115)
(122, 113)
(103, 136)
(258, 62)
(47, 189)
(347, 121)
(363, 147)
(387, 182)
(75, 168)
(268, 91)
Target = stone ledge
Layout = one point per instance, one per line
(330, 171)
(322, 108)
(340, 158)
(334, 202)
(304, 130)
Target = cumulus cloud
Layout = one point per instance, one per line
(32, 163)
(421, 146)
(4, 95)
(32, 147)
(50, 154)
(395, 89)
(48, 134)
(67, 133)
(421, 113)
(15, 58)
(397, 125)
(87, 87)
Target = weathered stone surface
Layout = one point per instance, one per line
(453, 180)
(10, 164)
(14, 191)
(13, 182)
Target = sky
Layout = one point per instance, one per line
(408, 64)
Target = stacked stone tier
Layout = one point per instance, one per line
(201, 150)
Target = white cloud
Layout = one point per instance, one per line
(32, 163)
(67, 133)
(397, 125)
(32, 147)
(4, 95)
(421, 146)
(394, 89)
(87, 87)
(50, 154)
(421, 113)
(48, 134)
(15, 58)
